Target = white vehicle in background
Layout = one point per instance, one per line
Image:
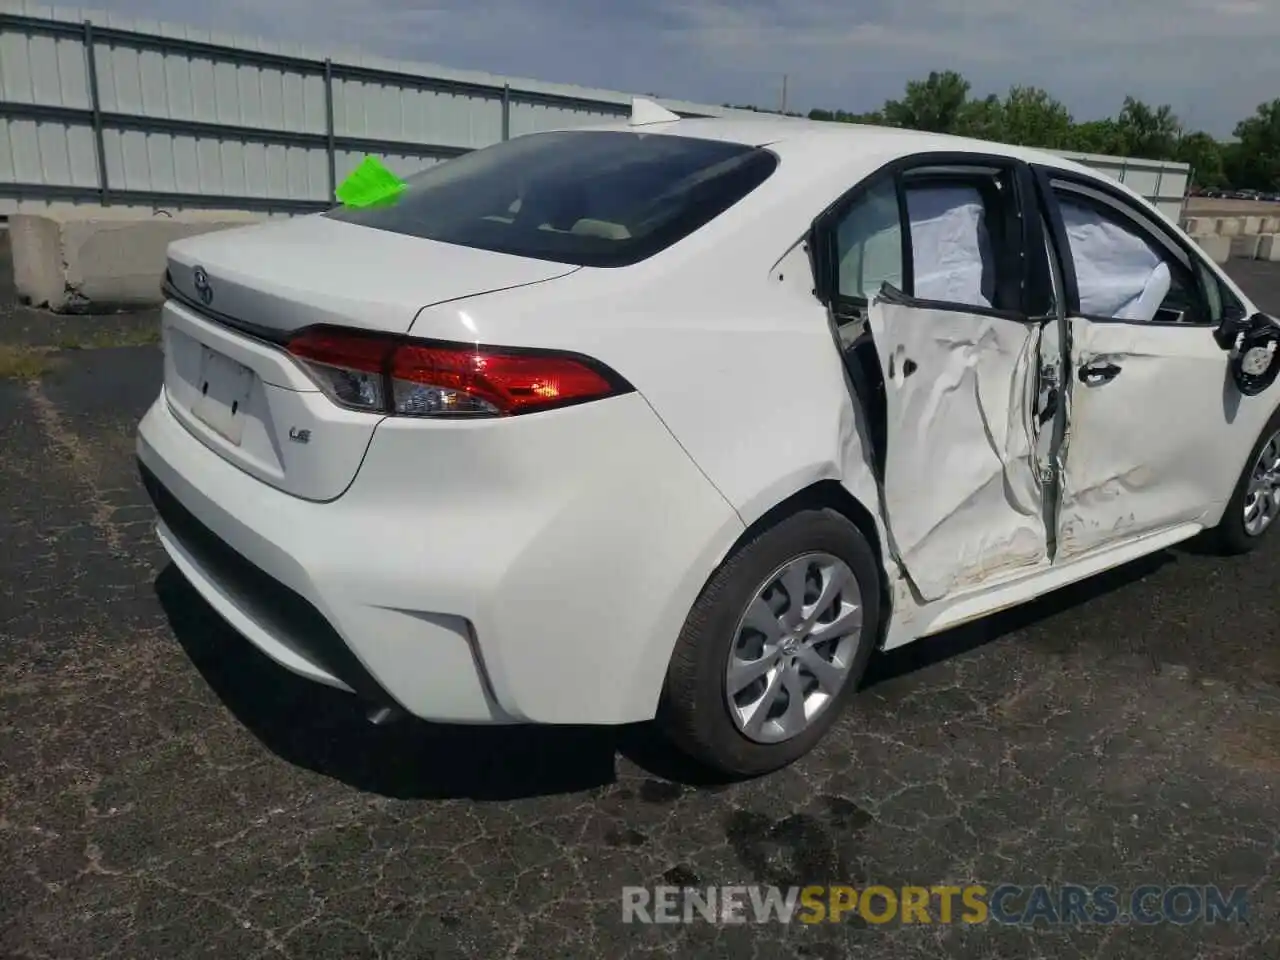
(684, 418)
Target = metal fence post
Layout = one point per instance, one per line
(506, 111)
(330, 149)
(95, 103)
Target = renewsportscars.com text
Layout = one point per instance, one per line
(1181, 904)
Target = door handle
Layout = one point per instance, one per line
(1097, 372)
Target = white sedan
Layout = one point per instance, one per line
(684, 418)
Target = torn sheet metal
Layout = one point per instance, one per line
(1051, 398)
(961, 490)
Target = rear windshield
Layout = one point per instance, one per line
(591, 198)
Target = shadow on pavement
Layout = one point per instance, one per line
(953, 643)
(325, 730)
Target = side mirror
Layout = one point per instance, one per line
(1253, 344)
(1229, 330)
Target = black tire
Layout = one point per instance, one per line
(693, 713)
(1229, 537)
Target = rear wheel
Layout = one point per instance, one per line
(775, 646)
(1255, 504)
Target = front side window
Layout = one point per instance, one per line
(1222, 301)
(589, 198)
(1121, 272)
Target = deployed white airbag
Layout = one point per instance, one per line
(949, 244)
(1144, 308)
(1118, 272)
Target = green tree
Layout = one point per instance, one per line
(1256, 160)
(1151, 134)
(1204, 154)
(843, 116)
(1097, 136)
(936, 104)
(1033, 118)
(982, 119)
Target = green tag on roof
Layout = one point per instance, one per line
(370, 184)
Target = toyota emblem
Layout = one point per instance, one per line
(201, 280)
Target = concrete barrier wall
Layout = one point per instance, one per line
(75, 260)
(1250, 246)
(1236, 238)
(1231, 226)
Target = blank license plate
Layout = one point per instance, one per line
(224, 393)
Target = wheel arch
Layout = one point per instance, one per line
(691, 710)
(1248, 450)
(1247, 462)
(825, 494)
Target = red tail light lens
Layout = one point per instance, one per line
(348, 368)
(416, 378)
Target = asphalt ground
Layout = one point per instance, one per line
(167, 792)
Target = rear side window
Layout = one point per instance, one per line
(956, 224)
(590, 198)
(951, 253)
(869, 244)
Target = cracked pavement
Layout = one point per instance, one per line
(165, 791)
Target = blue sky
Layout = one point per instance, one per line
(1213, 60)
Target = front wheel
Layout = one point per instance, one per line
(775, 646)
(1255, 503)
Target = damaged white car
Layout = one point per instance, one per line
(683, 418)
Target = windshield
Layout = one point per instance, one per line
(588, 198)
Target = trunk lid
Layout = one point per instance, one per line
(238, 293)
(286, 274)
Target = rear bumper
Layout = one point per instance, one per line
(519, 572)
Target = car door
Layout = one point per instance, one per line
(931, 287)
(1150, 395)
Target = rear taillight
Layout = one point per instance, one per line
(417, 378)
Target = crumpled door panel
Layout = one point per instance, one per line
(961, 490)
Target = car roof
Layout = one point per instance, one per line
(837, 138)
(823, 160)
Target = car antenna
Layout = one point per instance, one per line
(645, 111)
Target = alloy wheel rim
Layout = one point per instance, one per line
(793, 648)
(1262, 501)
